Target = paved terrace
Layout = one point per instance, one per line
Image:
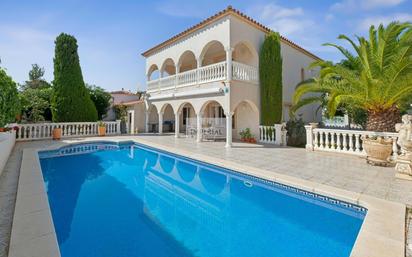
(338, 170)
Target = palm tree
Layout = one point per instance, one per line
(377, 78)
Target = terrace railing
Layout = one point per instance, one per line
(39, 131)
(344, 141)
(205, 74)
(275, 134)
(245, 72)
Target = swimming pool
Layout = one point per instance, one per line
(132, 200)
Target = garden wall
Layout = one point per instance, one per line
(7, 140)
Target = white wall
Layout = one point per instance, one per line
(230, 31)
(293, 62)
(7, 141)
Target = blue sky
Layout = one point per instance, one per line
(112, 34)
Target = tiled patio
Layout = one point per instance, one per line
(338, 170)
(341, 171)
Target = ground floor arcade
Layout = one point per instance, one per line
(211, 115)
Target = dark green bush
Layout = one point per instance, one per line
(270, 74)
(296, 132)
(71, 100)
(9, 100)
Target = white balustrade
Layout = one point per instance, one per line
(273, 134)
(39, 131)
(213, 72)
(153, 84)
(245, 72)
(187, 78)
(205, 74)
(344, 141)
(167, 82)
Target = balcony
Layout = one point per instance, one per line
(206, 74)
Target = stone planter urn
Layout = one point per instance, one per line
(57, 133)
(404, 160)
(102, 131)
(378, 150)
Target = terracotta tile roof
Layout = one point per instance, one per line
(122, 92)
(129, 102)
(229, 10)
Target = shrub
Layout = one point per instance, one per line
(71, 100)
(35, 104)
(9, 100)
(296, 132)
(100, 98)
(270, 73)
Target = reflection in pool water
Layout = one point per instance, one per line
(136, 201)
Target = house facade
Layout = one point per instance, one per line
(207, 77)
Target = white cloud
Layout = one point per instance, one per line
(329, 17)
(353, 5)
(286, 21)
(376, 20)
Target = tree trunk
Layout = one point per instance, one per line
(383, 120)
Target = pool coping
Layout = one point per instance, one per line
(382, 233)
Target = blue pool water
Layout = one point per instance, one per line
(130, 200)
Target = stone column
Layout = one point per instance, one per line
(177, 124)
(228, 129)
(176, 75)
(229, 51)
(147, 115)
(199, 127)
(199, 65)
(309, 135)
(280, 134)
(160, 122)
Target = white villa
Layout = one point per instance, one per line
(207, 76)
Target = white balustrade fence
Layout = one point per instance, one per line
(273, 134)
(205, 74)
(245, 72)
(213, 72)
(344, 141)
(187, 77)
(27, 132)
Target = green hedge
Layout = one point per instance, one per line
(71, 100)
(270, 73)
(9, 99)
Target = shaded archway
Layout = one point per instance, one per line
(187, 61)
(245, 53)
(168, 68)
(168, 118)
(153, 121)
(187, 117)
(246, 115)
(213, 52)
(213, 120)
(153, 73)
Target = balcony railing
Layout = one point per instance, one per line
(205, 74)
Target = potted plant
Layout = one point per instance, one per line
(102, 128)
(376, 84)
(246, 136)
(57, 133)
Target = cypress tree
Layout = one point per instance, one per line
(270, 74)
(71, 100)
